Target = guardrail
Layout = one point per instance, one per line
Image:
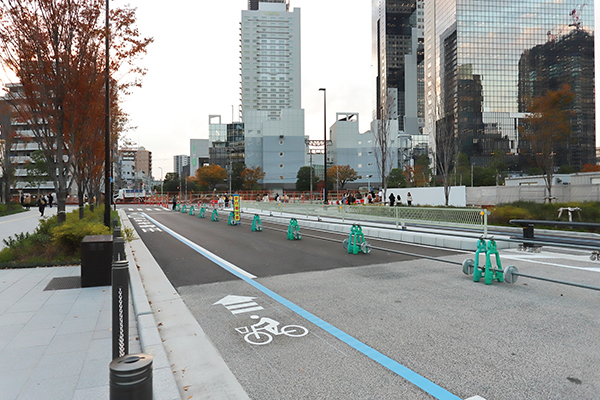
(458, 217)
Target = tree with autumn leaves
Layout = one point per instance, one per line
(546, 128)
(56, 48)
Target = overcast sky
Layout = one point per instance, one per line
(193, 69)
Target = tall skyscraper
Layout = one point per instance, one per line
(271, 91)
(397, 58)
(472, 55)
(270, 58)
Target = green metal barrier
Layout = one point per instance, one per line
(293, 232)
(356, 241)
(256, 224)
(215, 215)
(231, 220)
(178, 207)
(490, 273)
(184, 208)
(202, 212)
(192, 210)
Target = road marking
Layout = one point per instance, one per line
(158, 209)
(239, 304)
(425, 384)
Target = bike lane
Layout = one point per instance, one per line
(325, 362)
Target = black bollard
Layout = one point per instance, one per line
(120, 308)
(131, 377)
(116, 232)
(118, 249)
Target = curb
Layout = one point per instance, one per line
(190, 359)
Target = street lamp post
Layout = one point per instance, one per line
(162, 182)
(324, 142)
(107, 177)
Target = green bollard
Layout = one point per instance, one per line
(481, 247)
(184, 209)
(293, 232)
(202, 212)
(215, 215)
(192, 210)
(356, 241)
(256, 224)
(178, 207)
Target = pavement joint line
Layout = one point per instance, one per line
(423, 383)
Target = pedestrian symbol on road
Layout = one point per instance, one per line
(239, 304)
(263, 331)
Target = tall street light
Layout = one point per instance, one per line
(107, 177)
(324, 142)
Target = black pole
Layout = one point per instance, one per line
(325, 142)
(107, 191)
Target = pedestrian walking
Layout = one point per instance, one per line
(22, 200)
(392, 199)
(50, 200)
(41, 203)
(398, 200)
(174, 202)
(409, 199)
(27, 201)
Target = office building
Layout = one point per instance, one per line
(181, 164)
(271, 92)
(199, 154)
(133, 168)
(472, 56)
(397, 59)
(569, 60)
(226, 142)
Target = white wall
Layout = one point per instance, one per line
(432, 196)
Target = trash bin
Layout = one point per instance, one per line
(131, 377)
(528, 231)
(96, 260)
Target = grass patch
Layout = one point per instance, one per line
(52, 244)
(14, 209)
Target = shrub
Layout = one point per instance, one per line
(503, 214)
(69, 235)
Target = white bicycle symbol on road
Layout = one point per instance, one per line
(263, 331)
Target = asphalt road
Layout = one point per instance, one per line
(533, 340)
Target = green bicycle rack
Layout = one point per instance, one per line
(202, 212)
(256, 224)
(215, 215)
(490, 273)
(293, 232)
(356, 241)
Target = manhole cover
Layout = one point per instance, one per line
(65, 282)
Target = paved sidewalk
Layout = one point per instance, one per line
(55, 344)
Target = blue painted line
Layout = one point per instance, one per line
(411, 376)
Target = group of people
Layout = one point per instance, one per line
(372, 197)
(41, 202)
(398, 200)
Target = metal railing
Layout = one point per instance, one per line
(457, 217)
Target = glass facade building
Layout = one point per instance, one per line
(473, 49)
(397, 58)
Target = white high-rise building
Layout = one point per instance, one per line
(271, 91)
(270, 59)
